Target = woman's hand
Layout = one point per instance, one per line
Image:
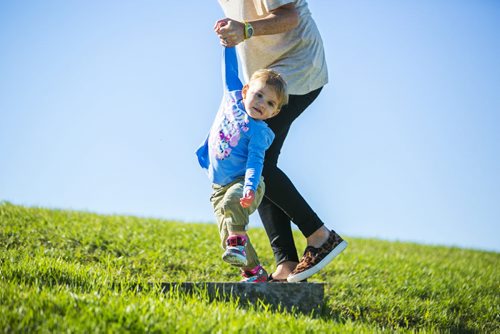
(230, 32)
(279, 20)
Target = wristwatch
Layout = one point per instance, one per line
(248, 30)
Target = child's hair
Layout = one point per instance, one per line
(276, 81)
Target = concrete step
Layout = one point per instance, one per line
(302, 297)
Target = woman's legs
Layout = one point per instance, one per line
(283, 203)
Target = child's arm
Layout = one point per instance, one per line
(230, 70)
(257, 147)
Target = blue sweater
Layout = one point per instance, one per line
(236, 144)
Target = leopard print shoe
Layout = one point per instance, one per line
(315, 259)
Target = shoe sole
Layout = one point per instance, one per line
(313, 270)
(235, 260)
(271, 279)
(254, 282)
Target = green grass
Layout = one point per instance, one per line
(66, 271)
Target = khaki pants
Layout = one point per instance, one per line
(232, 217)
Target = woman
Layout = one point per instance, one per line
(281, 35)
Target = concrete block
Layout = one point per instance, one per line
(302, 297)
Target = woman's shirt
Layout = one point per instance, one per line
(298, 54)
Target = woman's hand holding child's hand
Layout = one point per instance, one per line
(230, 32)
(247, 199)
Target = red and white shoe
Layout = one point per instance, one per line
(255, 275)
(235, 251)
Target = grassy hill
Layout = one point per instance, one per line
(65, 271)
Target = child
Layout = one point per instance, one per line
(233, 155)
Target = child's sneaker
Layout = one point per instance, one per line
(235, 251)
(255, 275)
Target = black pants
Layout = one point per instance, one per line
(282, 203)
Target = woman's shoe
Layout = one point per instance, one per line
(315, 259)
(271, 279)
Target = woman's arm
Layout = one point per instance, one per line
(281, 19)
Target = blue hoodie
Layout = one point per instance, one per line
(237, 143)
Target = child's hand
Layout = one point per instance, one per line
(247, 198)
(219, 24)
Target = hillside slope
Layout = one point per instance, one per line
(59, 271)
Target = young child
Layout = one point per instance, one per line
(233, 155)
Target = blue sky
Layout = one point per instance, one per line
(103, 104)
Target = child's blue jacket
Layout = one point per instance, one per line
(237, 143)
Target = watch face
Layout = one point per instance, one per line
(248, 31)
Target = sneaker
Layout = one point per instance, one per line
(315, 259)
(235, 251)
(255, 275)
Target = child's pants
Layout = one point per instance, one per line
(232, 217)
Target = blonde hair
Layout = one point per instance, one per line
(276, 81)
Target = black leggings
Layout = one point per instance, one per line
(282, 203)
